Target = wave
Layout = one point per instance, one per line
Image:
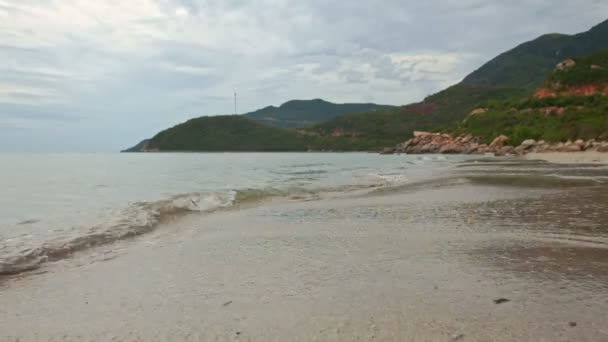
(136, 219)
(142, 217)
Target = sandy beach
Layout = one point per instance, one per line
(460, 259)
(588, 157)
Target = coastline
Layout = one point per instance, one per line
(431, 262)
(586, 157)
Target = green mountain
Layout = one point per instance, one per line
(201, 134)
(528, 65)
(572, 104)
(227, 133)
(514, 73)
(141, 146)
(303, 113)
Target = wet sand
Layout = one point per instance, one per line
(419, 263)
(570, 157)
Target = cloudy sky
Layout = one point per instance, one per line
(84, 75)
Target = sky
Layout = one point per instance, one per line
(83, 75)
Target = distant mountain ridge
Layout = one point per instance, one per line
(572, 104)
(528, 64)
(291, 114)
(226, 133)
(302, 113)
(513, 74)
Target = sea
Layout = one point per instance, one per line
(54, 205)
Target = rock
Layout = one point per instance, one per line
(498, 142)
(451, 149)
(501, 300)
(471, 149)
(478, 111)
(572, 324)
(418, 134)
(589, 144)
(566, 64)
(483, 149)
(527, 144)
(429, 148)
(457, 338)
(405, 145)
(581, 143)
(520, 150)
(505, 150)
(603, 148)
(569, 148)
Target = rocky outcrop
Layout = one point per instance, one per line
(566, 64)
(441, 143)
(427, 142)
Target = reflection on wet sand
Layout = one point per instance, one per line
(459, 258)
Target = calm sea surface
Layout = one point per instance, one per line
(55, 204)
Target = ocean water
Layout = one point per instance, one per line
(53, 205)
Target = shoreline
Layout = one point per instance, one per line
(586, 157)
(419, 263)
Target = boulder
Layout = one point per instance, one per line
(505, 150)
(483, 149)
(603, 148)
(470, 148)
(478, 111)
(402, 148)
(589, 144)
(569, 147)
(498, 143)
(528, 144)
(520, 150)
(452, 148)
(418, 134)
(431, 148)
(566, 64)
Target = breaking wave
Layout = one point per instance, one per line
(136, 219)
(139, 218)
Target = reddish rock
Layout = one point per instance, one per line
(498, 143)
(451, 149)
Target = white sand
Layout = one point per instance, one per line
(590, 157)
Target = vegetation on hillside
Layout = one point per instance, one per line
(528, 65)
(566, 115)
(587, 70)
(303, 113)
(549, 119)
(513, 74)
(227, 133)
(504, 86)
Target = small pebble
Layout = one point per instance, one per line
(573, 324)
(501, 300)
(457, 338)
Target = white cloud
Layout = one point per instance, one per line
(143, 65)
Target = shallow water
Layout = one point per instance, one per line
(421, 260)
(55, 204)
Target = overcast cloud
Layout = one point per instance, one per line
(82, 75)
